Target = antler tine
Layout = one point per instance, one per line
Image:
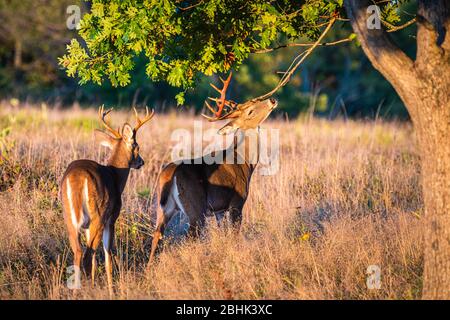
(102, 114)
(221, 102)
(225, 116)
(217, 89)
(209, 107)
(208, 117)
(147, 117)
(228, 103)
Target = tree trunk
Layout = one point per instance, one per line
(424, 87)
(433, 133)
(17, 53)
(432, 127)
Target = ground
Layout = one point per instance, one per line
(346, 198)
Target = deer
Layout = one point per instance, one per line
(199, 189)
(91, 194)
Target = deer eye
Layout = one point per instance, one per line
(250, 112)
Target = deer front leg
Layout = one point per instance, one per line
(236, 217)
(197, 223)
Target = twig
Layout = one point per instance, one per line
(303, 45)
(294, 65)
(393, 28)
(191, 6)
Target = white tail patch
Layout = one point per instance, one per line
(176, 195)
(175, 215)
(177, 219)
(73, 216)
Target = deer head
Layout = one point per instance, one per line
(122, 142)
(244, 116)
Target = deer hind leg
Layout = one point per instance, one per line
(93, 236)
(70, 208)
(157, 235)
(75, 244)
(167, 207)
(108, 241)
(190, 198)
(93, 226)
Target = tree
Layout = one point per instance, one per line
(424, 86)
(29, 33)
(182, 39)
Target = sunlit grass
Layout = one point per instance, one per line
(347, 196)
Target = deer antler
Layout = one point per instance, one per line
(102, 114)
(140, 122)
(221, 102)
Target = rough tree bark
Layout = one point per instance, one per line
(423, 85)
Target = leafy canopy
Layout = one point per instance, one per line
(183, 39)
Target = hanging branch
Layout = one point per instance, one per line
(393, 28)
(326, 44)
(302, 56)
(295, 64)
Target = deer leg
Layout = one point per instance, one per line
(157, 235)
(75, 244)
(220, 215)
(93, 236)
(236, 217)
(196, 225)
(70, 218)
(108, 240)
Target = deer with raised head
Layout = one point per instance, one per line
(91, 194)
(200, 189)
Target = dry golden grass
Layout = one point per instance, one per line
(347, 196)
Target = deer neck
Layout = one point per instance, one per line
(119, 166)
(246, 148)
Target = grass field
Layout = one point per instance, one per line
(347, 196)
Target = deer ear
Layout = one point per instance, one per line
(230, 127)
(104, 139)
(127, 132)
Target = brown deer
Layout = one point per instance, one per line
(91, 194)
(199, 189)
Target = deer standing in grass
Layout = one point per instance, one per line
(200, 190)
(91, 194)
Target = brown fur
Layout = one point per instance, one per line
(205, 189)
(91, 198)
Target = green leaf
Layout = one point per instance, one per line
(180, 98)
(211, 36)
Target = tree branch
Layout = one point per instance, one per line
(433, 23)
(326, 44)
(191, 6)
(393, 28)
(296, 63)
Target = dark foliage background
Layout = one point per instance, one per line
(334, 81)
